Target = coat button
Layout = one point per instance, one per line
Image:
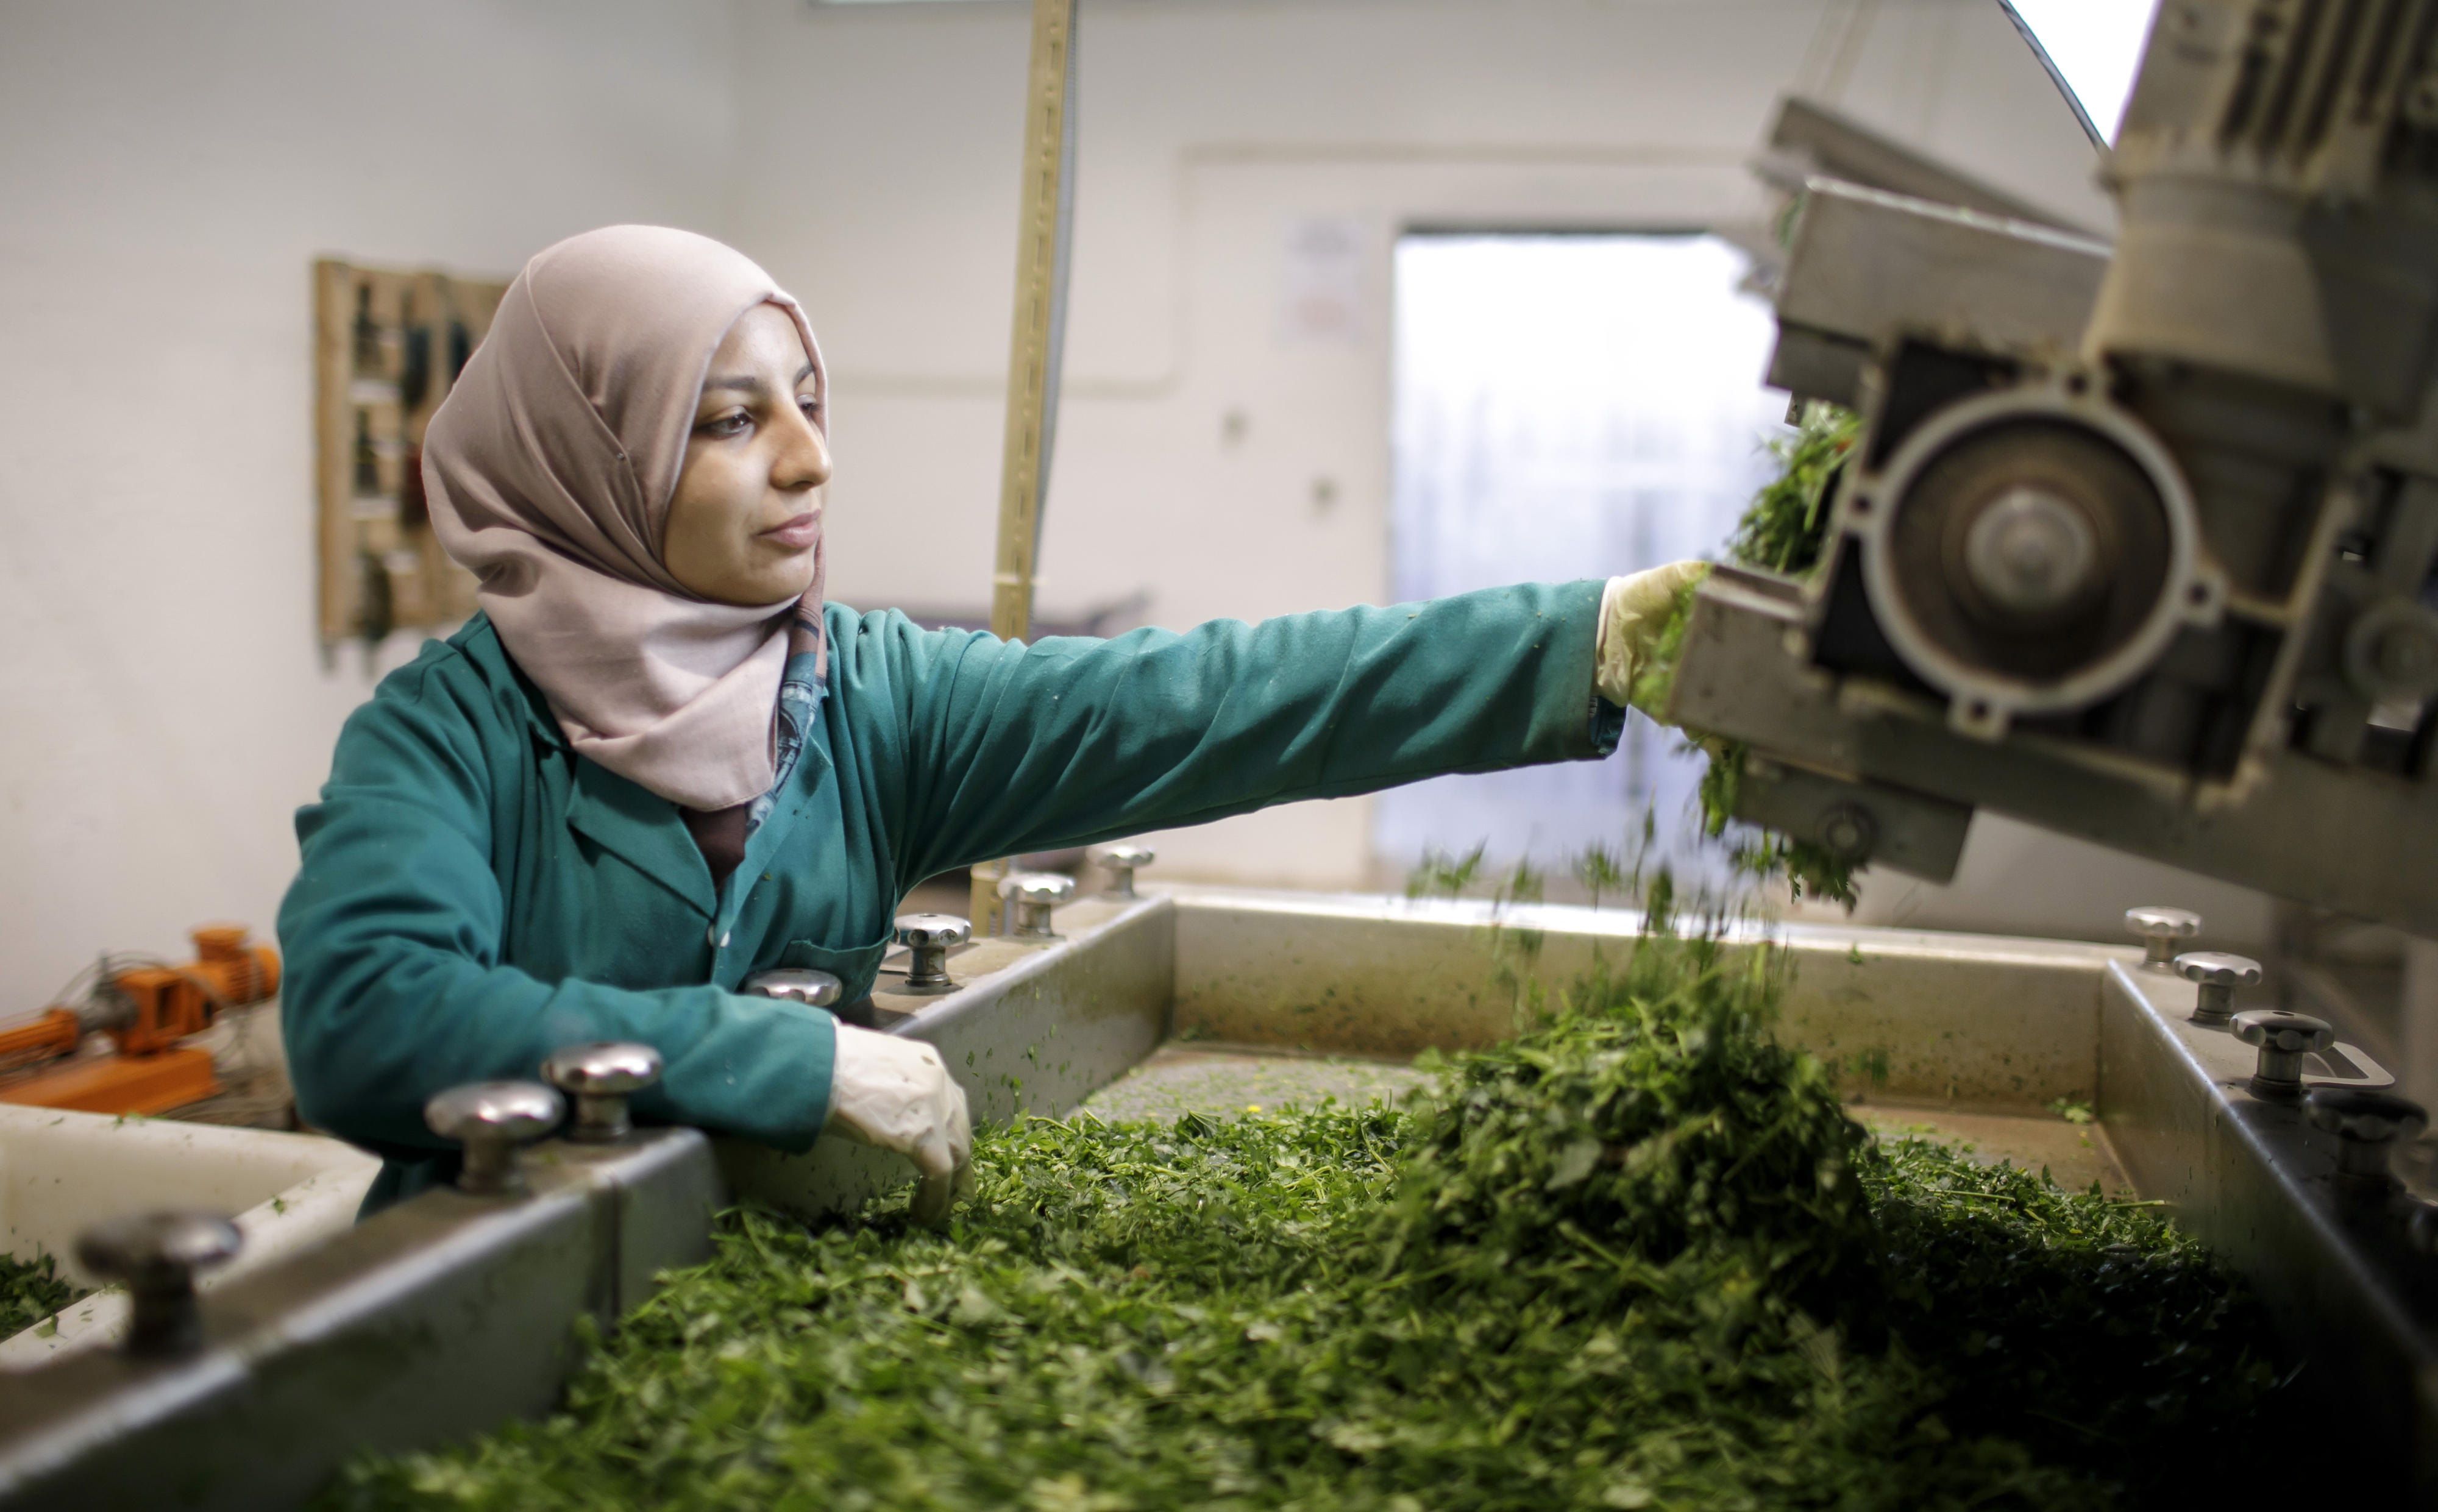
(711, 936)
(723, 942)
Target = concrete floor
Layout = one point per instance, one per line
(1226, 1081)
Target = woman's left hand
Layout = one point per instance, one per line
(896, 1094)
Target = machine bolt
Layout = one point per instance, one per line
(796, 984)
(2031, 554)
(1035, 895)
(1122, 862)
(491, 1119)
(2284, 1039)
(1847, 831)
(928, 937)
(599, 1077)
(2421, 103)
(156, 1256)
(2391, 651)
(2367, 1124)
(2160, 930)
(2218, 976)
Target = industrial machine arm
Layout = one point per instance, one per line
(2136, 544)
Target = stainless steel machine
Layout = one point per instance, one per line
(2137, 541)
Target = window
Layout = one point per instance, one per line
(1568, 406)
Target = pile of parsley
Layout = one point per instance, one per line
(31, 1290)
(1635, 1258)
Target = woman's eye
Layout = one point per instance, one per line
(731, 424)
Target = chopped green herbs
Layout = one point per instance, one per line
(1635, 1258)
(1788, 520)
(31, 1290)
(1783, 532)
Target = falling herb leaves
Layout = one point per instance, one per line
(1635, 1258)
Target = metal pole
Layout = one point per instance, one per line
(1045, 216)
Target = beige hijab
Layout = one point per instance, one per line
(550, 468)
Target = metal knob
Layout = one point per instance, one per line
(2218, 976)
(797, 984)
(2161, 930)
(2284, 1039)
(2367, 1124)
(1122, 862)
(928, 937)
(2421, 1228)
(1035, 894)
(156, 1256)
(598, 1078)
(491, 1119)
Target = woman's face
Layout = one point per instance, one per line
(746, 520)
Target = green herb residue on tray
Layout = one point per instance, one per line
(1635, 1258)
(31, 1290)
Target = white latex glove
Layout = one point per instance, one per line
(1633, 612)
(895, 1094)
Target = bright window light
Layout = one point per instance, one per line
(2098, 46)
(1568, 407)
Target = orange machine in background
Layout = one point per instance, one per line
(145, 1009)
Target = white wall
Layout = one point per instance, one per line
(170, 172)
(1207, 129)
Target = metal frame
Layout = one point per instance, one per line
(449, 1313)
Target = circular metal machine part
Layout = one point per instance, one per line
(1035, 895)
(156, 1255)
(491, 1119)
(2029, 551)
(2217, 975)
(598, 1078)
(927, 939)
(2161, 930)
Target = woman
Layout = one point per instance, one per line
(657, 761)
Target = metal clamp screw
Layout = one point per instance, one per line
(796, 984)
(2367, 1124)
(1122, 862)
(2284, 1039)
(2218, 976)
(928, 937)
(2421, 1228)
(2160, 930)
(156, 1256)
(1035, 894)
(599, 1077)
(491, 1120)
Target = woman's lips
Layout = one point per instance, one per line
(797, 534)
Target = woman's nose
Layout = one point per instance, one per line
(804, 459)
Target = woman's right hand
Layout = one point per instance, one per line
(895, 1094)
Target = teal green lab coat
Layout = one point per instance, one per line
(473, 895)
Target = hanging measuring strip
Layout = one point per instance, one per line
(1044, 234)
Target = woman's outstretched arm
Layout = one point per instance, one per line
(1011, 747)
